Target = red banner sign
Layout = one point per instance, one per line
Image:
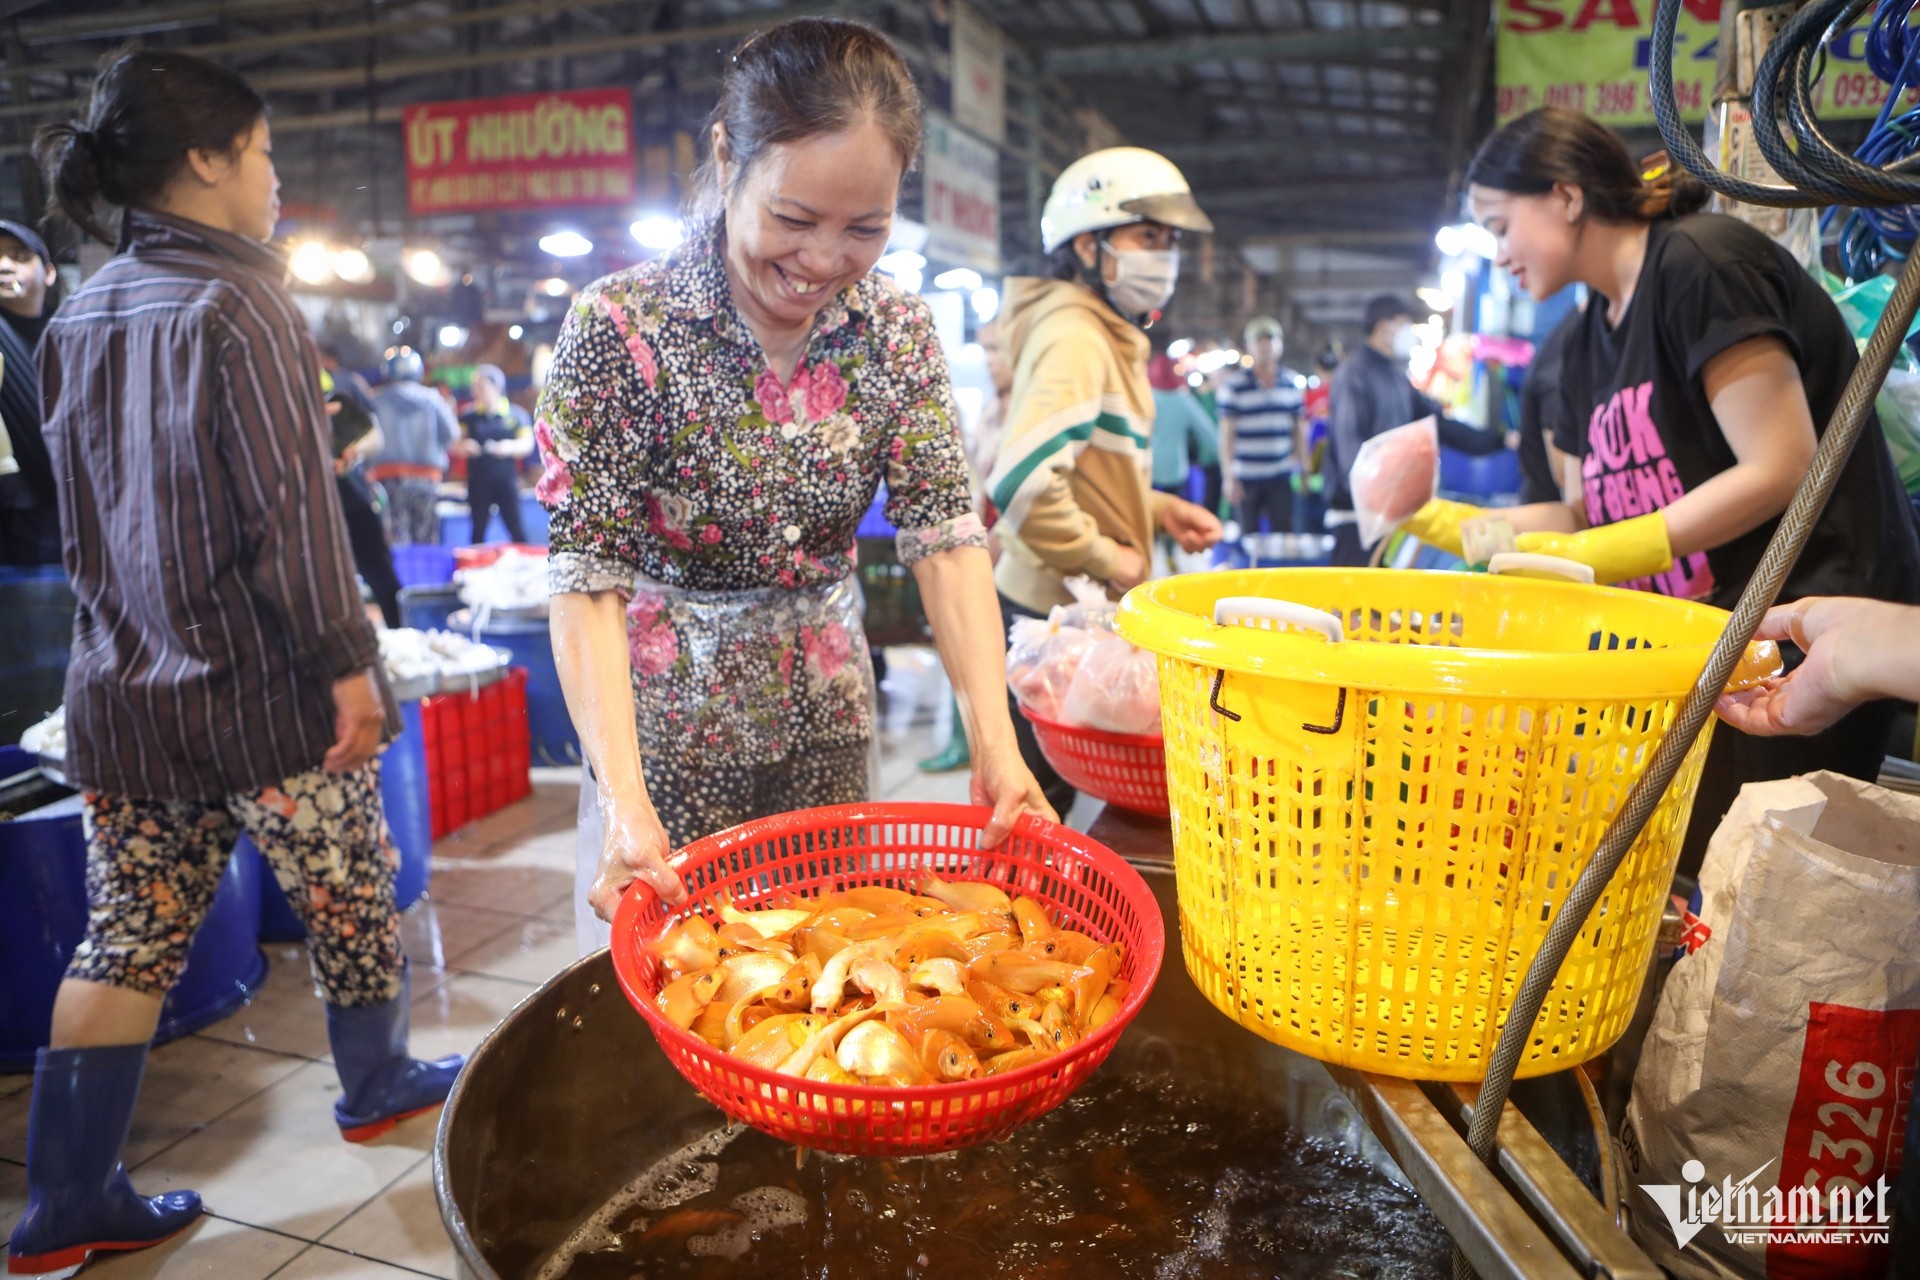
(531, 151)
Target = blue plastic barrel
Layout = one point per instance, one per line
(423, 564)
(43, 915)
(403, 790)
(875, 524)
(426, 608)
(403, 794)
(37, 603)
(531, 644)
(533, 520)
(1489, 475)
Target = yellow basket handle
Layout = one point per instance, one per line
(1272, 615)
(1265, 614)
(1531, 564)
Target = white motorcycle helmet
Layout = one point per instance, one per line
(1114, 187)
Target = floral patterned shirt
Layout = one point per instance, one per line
(672, 449)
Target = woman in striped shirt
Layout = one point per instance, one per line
(223, 677)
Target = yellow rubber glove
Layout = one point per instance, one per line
(1438, 523)
(1633, 548)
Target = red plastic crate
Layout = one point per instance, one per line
(478, 751)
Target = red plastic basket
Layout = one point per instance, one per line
(479, 557)
(1084, 885)
(1126, 769)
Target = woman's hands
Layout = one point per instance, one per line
(1001, 779)
(1857, 650)
(634, 847)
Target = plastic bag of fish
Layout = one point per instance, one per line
(950, 981)
(1071, 667)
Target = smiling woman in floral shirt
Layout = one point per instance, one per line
(714, 427)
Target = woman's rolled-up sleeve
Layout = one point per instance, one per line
(929, 495)
(593, 454)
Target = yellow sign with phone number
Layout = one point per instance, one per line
(1593, 55)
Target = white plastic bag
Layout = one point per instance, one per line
(1117, 688)
(1042, 658)
(1395, 474)
(1091, 608)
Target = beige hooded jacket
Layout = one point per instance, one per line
(1071, 478)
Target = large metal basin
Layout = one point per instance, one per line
(569, 1098)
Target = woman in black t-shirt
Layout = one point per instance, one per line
(1694, 389)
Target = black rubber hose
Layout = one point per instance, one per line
(1804, 123)
(1682, 149)
(1815, 165)
(1807, 27)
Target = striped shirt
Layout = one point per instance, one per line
(216, 597)
(1263, 421)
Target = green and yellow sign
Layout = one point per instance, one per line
(1593, 55)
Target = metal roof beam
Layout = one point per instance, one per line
(1278, 145)
(311, 37)
(1419, 190)
(389, 70)
(147, 18)
(1346, 238)
(1297, 45)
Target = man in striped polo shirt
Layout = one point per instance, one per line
(1262, 432)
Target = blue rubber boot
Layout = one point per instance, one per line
(380, 1084)
(79, 1201)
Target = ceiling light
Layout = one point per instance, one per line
(311, 263)
(959, 278)
(901, 260)
(554, 287)
(657, 232)
(566, 244)
(452, 336)
(423, 266)
(1466, 237)
(353, 266)
(516, 332)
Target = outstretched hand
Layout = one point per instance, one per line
(1857, 650)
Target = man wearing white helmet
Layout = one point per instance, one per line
(1070, 480)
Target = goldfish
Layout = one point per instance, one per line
(941, 981)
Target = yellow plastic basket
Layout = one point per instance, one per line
(1372, 832)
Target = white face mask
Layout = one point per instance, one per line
(1143, 279)
(1405, 339)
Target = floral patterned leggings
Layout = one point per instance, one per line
(153, 867)
(412, 510)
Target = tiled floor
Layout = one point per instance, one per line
(242, 1112)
